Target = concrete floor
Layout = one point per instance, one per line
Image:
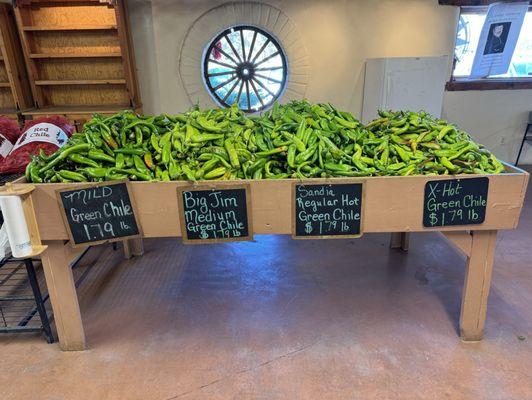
(285, 319)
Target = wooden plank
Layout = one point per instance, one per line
(137, 247)
(470, 3)
(77, 55)
(128, 56)
(477, 285)
(271, 199)
(127, 249)
(395, 240)
(4, 111)
(26, 42)
(405, 241)
(13, 60)
(63, 297)
(82, 82)
(461, 240)
(5, 85)
(133, 247)
(36, 28)
(490, 84)
(74, 110)
(400, 240)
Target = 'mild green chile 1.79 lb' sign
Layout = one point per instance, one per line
(327, 210)
(455, 202)
(99, 213)
(219, 214)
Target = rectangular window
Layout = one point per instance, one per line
(519, 74)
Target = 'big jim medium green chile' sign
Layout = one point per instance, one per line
(455, 202)
(327, 210)
(99, 213)
(220, 214)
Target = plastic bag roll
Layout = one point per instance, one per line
(15, 223)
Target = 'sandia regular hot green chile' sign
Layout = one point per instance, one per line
(455, 202)
(327, 210)
(220, 214)
(99, 213)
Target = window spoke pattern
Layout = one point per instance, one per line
(247, 66)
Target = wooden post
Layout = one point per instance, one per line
(133, 248)
(127, 249)
(477, 285)
(137, 247)
(56, 262)
(400, 240)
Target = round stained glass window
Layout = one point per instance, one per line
(247, 66)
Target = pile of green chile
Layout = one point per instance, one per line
(296, 140)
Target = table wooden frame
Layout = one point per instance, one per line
(384, 211)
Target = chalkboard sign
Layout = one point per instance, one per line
(99, 213)
(455, 202)
(327, 210)
(218, 214)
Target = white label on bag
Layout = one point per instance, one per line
(43, 132)
(5, 146)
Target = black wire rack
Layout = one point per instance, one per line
(23, 306)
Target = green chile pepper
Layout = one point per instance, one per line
(120, 161)
(79, 159)
(64, 153)
(71, 175)
(96, 172)
(100, 156)
(140, 165)
(233, 155)
(130, 150)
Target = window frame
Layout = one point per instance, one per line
(272, 39)
(463, 84)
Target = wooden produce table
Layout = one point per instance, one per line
(390, 204)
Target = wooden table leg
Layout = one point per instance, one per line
(127, 249)
(137, 247)
(133, 247)
(56, 262)
(477, 285)
(400, 240)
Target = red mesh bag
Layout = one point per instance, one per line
(9, 133)
(47, 133)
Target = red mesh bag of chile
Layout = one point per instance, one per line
(9, 133)
(47, 133)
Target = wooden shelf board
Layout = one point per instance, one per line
(44, 28)
(37, 251)
(5, 85)
(80, 110)
(75, 55)
(8, 111)
(82, 82)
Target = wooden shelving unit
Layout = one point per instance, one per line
(15, 92)
(70, 28)
(79, 57)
